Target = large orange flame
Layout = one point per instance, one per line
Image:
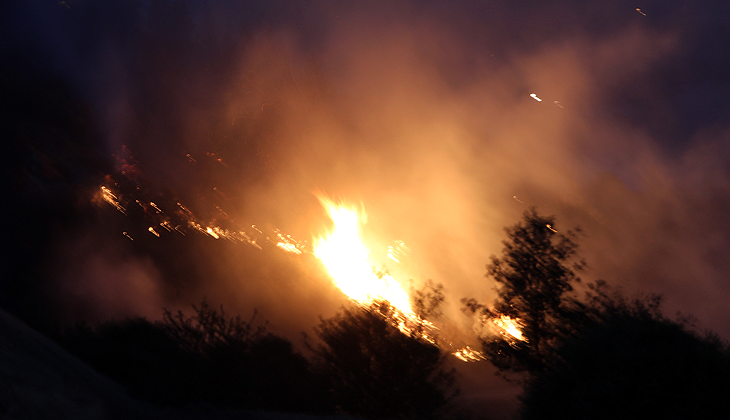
(510, 327)
(347, 260)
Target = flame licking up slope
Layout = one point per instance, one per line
(343, 252)
(347, 260)
(510, 327)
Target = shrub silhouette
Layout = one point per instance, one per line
(140, 355)
(633, 364)
(373, 370)
(205, 358)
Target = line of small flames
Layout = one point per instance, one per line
(280, 240)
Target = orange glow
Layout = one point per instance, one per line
(347, 260)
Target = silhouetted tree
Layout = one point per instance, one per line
(210, 328)
(427, 300)
(374, 370)
(534, 275)
(601, 357)
(631, 362)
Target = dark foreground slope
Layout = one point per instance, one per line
(40, 380)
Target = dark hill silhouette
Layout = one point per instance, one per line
(40, 380)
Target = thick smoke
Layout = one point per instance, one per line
(102, 281)
(418, 111)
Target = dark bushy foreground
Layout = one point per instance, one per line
(373, 370)
(629, 361)
(633, 367)
(207, 358)
(363, 366)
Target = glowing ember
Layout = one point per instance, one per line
(467, 354)
(396, 252)
(510, 326)
(391, 254)
(289, 247)
(111, 198)
(287, 243)
(347, 260)
(129, 187)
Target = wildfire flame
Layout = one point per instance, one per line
(342, 251)
(347, 260)
(510, 326)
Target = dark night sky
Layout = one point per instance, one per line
(418, 110)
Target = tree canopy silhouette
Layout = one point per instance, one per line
(601, 356)
(535, 274)
(632, 362)
(374, 370)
